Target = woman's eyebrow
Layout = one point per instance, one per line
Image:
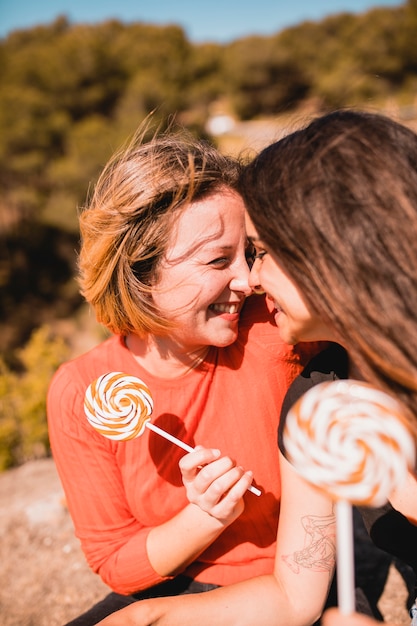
(254, 240)
(220, 246)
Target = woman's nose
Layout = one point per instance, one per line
(240, 281)
(254, 282)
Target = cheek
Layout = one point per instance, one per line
(183, 292)
(272, 280)
(172, 279)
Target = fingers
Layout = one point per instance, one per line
(215, 483)
(229, 504)
(205, 471)
(191, 463)
(333, 617)
(217, 478)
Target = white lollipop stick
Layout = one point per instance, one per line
(169, 437)
(119, 407)
(345, 559)
(187, 448)
(349, 440)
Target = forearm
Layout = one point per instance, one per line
(256, 601)
(294, 595)
(215, 487)
(127, 554)
(176, 543)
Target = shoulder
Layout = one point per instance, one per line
(329, 364)
(79, 372)
(66, 392)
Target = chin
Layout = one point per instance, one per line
(223, 342)
(289, 338)
(291, 341)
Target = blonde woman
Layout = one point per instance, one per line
(164, 265)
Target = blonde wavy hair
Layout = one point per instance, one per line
(126, 226)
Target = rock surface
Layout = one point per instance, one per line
(44, 579)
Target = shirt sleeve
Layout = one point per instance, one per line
(113, 541)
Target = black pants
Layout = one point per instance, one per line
(114, 601)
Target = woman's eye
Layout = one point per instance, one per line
(252, 254)
(221, 261)
(260, 255)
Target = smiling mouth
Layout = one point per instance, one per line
(231, 308)
(277, 307)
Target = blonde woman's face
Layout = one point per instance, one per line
(294, 319)
(203, 279)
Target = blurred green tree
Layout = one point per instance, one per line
(263, 79)
(23, 424)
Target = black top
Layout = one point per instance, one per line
(330, 364)
(389, 529)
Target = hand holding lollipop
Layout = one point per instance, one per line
(119, 407)
(349, 439)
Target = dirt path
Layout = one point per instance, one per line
(44, 579)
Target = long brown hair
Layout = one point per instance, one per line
(336, 204)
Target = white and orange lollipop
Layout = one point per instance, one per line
(349, 440)
(119, 406)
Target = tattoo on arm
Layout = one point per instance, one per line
(319, 551)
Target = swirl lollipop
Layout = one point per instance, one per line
(119, 407)
(349, 440)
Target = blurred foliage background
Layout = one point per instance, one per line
(70, 95)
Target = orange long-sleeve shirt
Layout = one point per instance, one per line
(118, 491)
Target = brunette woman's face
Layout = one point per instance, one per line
(204, 277)
(292, 315)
